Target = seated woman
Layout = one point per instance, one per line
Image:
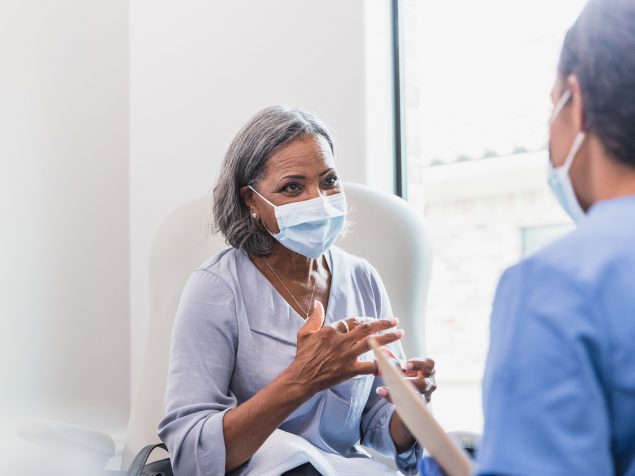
(259, 341)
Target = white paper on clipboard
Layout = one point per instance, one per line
(418, 419)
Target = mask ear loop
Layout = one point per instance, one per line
(575, 147)
(554, 113)
(257, 193)
(254, 215)
(579, 138)
(560, 105)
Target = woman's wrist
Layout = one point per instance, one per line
(400, 434)
(294, 387)
(259, 416)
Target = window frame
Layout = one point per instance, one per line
(400, 180)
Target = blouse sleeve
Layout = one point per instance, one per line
(375, 425)
(202, 356)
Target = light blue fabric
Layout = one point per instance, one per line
(559, 389)
(234, 333)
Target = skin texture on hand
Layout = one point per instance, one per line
(325, 357)
(419, 371)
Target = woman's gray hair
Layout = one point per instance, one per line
(244, 164)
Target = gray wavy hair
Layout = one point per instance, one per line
(244, 164)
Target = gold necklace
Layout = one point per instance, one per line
(290, 293)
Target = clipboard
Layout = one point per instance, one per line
(418, 419)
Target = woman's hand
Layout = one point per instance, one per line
(421, 374)
(419, 371)
(327, 356)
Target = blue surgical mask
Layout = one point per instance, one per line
(311, 226)
(558, 177)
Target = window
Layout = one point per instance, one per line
(475, 85)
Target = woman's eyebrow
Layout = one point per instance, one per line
(330, 169)
(302, 177)
(298, 177)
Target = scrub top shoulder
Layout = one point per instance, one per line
(559, 387)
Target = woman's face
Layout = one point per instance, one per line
(301, 170)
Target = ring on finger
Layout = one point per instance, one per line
(431, 384)
(376, 368)
(348, 329)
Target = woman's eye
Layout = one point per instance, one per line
(291, 187)
(331, 181)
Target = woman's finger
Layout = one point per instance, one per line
(366, 367)
(383, 392)
(315, 320)
(425, 386)
(417, 373)
(346, 325)
(367, 327)
(420, 383)
(363, 345)
(426, 366)
(430, 387)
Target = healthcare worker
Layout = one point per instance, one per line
(559, 388)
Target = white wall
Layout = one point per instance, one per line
(200, 69)
(64, 333)
(112, 114)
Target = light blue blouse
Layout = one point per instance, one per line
(234, 333)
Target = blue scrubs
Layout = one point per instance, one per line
(559, 389)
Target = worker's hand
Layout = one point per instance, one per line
(421, 374)
(327, 356)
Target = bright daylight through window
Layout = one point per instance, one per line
(476, 83)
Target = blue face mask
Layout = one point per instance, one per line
(311, 226)
(558, 177)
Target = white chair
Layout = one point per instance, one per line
(385, 230)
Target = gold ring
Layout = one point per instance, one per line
(348, 329)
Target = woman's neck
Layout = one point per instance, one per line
(292, 265)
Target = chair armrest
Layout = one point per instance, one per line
(64, 436)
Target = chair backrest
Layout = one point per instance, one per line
(385, 230)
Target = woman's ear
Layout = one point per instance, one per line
(247, 196)
(577, 102)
